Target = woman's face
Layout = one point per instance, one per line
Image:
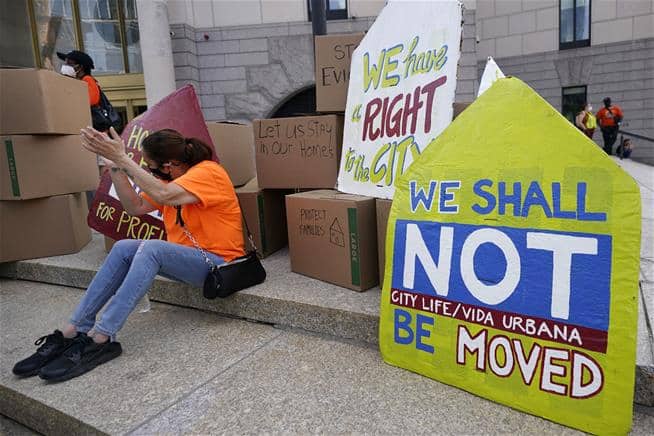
(167, 171)
(76, 67)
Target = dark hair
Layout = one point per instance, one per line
(166, 145)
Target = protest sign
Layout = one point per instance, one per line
(512, 264)
(179, 111)
(491, 73)
(402, 85)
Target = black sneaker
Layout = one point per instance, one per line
(52, 346)
(80, 358)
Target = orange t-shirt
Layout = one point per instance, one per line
(94, 90)
(215, 221)
(606, 118)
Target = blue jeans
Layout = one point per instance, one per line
(126, 275)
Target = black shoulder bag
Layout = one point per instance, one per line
(225, 279)
(104, 116)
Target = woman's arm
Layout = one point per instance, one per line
(113, 148)
(133, 203)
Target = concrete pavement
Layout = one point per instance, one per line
(186, 371)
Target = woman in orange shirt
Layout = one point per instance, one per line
(78, 65)
(182, 175)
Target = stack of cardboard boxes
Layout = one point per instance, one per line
(44, 170)
(331, 235)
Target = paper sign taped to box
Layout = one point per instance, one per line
(402, 85)
(512, 264)
(179, 111)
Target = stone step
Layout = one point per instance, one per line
(186, 371)
(284, 299)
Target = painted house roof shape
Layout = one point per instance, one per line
(511, 160)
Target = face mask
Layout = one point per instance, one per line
(160, 174)
(68, 70)
(589, 108)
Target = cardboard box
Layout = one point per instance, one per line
(332, 237)
(35, 166)
(234, 144)
(458, 108)
(298, 152)
(42, 102)
(333, 59)
(265, 213)
(383, 211)
(43, 227)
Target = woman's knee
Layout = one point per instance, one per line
(154, 248)
(125, 248)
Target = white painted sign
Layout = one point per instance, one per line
(402, 87)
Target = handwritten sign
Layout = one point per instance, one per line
(180, 111)
(333, 58)
(298, 152)
(402, 85)
(512, 265)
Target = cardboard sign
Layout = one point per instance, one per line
(402, 85)
(298, 152)
(512, 264)
(179, 111)
(332, 237)
(491, 73)
(333, 57)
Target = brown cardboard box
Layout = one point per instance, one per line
(458, 108)
(34, 166)
(265, 213)
(298, 152)
(333, 59)
(235, 148)
(332, 237)
(383, 211)
(42, 101)
(43, 227)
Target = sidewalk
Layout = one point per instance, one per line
(185, 371)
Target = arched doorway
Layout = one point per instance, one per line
(301, 103)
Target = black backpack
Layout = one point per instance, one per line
(105, 116)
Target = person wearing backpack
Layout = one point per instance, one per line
(79, 65)
(609, 119)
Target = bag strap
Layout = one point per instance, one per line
(195, 243)
(179, 220)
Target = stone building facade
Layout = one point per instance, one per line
(246, 73)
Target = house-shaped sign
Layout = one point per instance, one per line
(512, 264)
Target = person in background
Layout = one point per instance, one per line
(183, 183)
(625, 149)
(586, 121)
(609, 119)
(78, 65)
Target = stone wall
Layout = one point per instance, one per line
(525, 27)
(622, 71)
(246, 72)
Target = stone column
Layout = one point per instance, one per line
(156, 49)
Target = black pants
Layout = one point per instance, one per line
(610, 135)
